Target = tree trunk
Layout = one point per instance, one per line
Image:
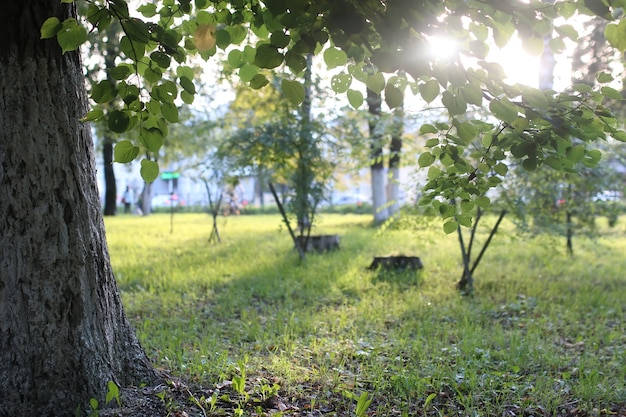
(63, 331)
(260, 181)
(110, 195)
(145, 204)
(379, 197)
(394, 161)
(110, 187)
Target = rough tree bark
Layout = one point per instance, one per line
(63, 332)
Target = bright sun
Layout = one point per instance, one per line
(519, 66)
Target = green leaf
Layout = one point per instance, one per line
(450, 227)
(466, 132)
(187, 97)
(427, 128)
(166, 92)
(425, 159)
(504, 110)
(236, 58)
(267, 56)
(616, 34)
(147, 10)
(149, 170)
(502, 32)
(501, 169)
(575, 154)
(151, 138)
(113, 393)
(611, 93)
(132, 49)
(433, 173)
(50, 27)
(553, 162)
(529, 164)
(237, 33)
(376, 82)
(358, 72)
(567, 31)
(71, 35)
(205, 18)
(184, 71)
(520, 124)
(340, 82)
(429, 90)
(120, 72)
(293, 90)
(394, 97)
(93, 115)
(355, 98)
(334, 57)
(247, 72)
(280, 39)
(483, 202)
(604, 77)
(137, 30)
(103, 92)
(118, 121)
(125, 151)
(259, 81)
(620, 135)
(222, 38)
(473, 94)
(467, 205)
(295, 61)
(454, 103)
(152, 75)
(169, 112)
(187, 85)
(430, 143)
(162, 59)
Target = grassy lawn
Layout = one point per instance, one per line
(253, 332)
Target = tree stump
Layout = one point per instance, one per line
(319, 243)
(396, 263)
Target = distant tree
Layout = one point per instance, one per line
(103, 48)
(566, 202)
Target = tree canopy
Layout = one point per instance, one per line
(370, 42)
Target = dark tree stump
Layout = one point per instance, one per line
(396, 263)
(319, 243)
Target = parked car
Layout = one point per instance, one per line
(351, 199)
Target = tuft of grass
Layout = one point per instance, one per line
(544, 334)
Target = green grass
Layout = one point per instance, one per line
(544, 334)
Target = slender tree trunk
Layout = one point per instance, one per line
(394, 161)
(260, 181)
(63, 332)
(303, 180)
(110, 186)
(379, 197)
(110, 194)
(146, 199)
